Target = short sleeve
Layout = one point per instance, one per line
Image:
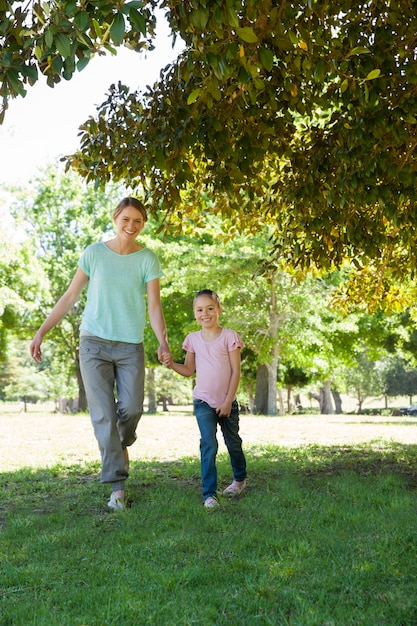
(153, 267)
(234, 342)
(188, 344)
(85, 261)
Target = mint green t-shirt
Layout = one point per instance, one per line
(116, 308)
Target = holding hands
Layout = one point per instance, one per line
(165, 358)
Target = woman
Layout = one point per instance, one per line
(118, 273)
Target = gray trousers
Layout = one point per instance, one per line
(113, 374)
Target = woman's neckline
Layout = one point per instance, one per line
(138, 249)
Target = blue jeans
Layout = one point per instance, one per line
(113, 376)
(207, 420)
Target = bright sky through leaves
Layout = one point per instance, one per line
(43, 126)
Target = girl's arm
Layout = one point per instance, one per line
(156, 316)
(225, 408)
(186, 369)
(62, 307)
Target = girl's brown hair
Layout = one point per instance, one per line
(208, 292)
(135, 203)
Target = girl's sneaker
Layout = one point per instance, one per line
(235, 489)
(211, 502)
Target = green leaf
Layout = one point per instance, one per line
(200, 18)
(319, 71)
(117, 29)
(82, 20)
(7, 59)
(82, 63)
(374, 74)
(344, 85)
(267, 58)
(193, 96)
(138, 21)
(247, 34)
(15, 83)
(63, 44)
(31, 71)
(38, 52)
(358, 50)
(232, 17)
(49, 38)
(97, 29)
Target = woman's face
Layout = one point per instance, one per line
(129, 223)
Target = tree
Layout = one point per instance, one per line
(365, 379)
(21, 380)
(297, 114)
(301, 115)
(400, 379)
(277, 316)
(61, 217)
(21, 281)
(58, 38)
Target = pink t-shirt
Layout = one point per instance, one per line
(212, 364)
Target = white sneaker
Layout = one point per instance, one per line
(235, 489)
(115, 503)
(211, 503)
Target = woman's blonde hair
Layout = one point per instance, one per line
(135, 203)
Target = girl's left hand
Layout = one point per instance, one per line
(224, 409)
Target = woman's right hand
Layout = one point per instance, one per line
(166, 359)
(35, 349)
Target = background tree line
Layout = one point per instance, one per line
(297, 339)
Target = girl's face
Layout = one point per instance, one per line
(207, 311)
(129, 223)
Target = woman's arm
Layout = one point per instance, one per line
(156, 316)
(225, 408)
(62, 307)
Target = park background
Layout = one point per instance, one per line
(275, 147)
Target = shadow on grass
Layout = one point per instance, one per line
(48, 487)
(314, 461)
(323, 536)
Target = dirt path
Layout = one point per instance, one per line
(43, 439)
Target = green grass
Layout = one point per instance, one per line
(323, 536)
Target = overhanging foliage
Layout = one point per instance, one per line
(300, 114)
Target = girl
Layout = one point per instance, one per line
(214, 353)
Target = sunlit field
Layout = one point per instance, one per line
(325, 534)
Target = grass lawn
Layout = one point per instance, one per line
(324, 535)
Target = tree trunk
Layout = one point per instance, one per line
(261, 390)
(273, 364)
(337, 401)
(281, 402)
(272, 382)
(150, 379)
(289, 396)
(326, 403)
(324, 399)
(266, 375)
